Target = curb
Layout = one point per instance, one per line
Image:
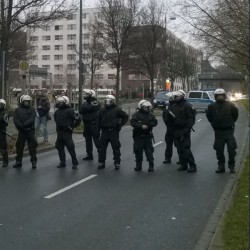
(211, 238)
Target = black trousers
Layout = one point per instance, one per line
(64, 138)
(91, 134)
(3, 147)
(143, 144)
(24, 136)
(183, 144)
(169, 139)
(110, 136)
(222, 138)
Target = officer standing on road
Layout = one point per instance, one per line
(110, 120)
(143, 122)
(43, 108)
(183, 118)
(24, 120)
(3, 125)
(169, 136)
(222, 115)
(89, 110)
(66, 120)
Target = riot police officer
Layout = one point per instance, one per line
(169, 136)
(3, 125)
(66, 120)
(222, 115)
(24, 120)
(143, 122)
(89, 110)
(183, 118)
(110, 120)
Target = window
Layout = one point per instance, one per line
(45, 57)
(85, 26)
(111, 65)
(58, 67)
(34, 38)
(71, 37)
(111, 76)
(46, 66)
(71, 17)
(58, 57)
(34, 57)
(195, 95)
(85, 36)
(71, 57)
(46, 47)
(58, 27)
(98, 76)
(71, 47)
(59, 37)
(71, 77)
(58, 77)
(71, 66)
(46, 38)
(33, 48)
(46, 28)
(71, 26)
(58, 47)
(85, 46)
(85, 15)
(205, 95)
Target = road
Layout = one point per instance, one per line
(113, 210)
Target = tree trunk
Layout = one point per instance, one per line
(117, 84)
(92, 81)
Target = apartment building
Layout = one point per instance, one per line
(55, 47)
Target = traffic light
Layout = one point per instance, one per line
(168, 85)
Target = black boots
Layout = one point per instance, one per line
(33, 165)
(117, 166)
(221, 169)
(88, 158)
(74, 166)
(5, 164)
(138, 167)
(232, 170)
(101, 166)
(17, 165)
(182, 168)
(151, 167)
(167, 161)
(61, 165)
(192, 169)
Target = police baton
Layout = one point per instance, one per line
(8, 135)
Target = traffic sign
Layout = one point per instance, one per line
(24, 65)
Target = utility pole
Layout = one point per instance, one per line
(80, 59)
(3, 74)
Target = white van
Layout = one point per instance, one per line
(102, 93)
(200, 99)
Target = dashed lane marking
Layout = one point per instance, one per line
(199, 120)
(70, 186)
(158, 143)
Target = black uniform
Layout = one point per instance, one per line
(169, 136)
(222, 116)
(143, 137)
(89, 112)
(66, 120)
(183, 118)
(3, 141)
(24, 120)
(110, 120)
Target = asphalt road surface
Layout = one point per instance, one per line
(108, 209)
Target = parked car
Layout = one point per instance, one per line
(160, 100)
(200, 99)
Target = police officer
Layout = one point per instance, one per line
(3, 125)
(222, 115)
(143, 122)
(89, 110)
(66, 120)
(110, 120)
(24, 120)
(183, 118)
(169, 136)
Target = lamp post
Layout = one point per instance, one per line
(80, 58)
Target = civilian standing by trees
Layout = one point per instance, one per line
(3, 125)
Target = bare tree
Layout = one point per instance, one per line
(17, 15)
(118, 18)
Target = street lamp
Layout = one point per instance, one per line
(80, 58)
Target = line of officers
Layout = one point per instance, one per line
(102, 126)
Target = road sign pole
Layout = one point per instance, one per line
(3, 74)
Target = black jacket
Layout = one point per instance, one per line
(111, 118)
(66, 119)
(3, 121)
(43, 106)
(183, 115)
(222, 115)
(141, 118)
(89, 111)
(24, 118)
(166, 116)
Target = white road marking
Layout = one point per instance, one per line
(199, 120)
(70, 186)
(158, 143)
